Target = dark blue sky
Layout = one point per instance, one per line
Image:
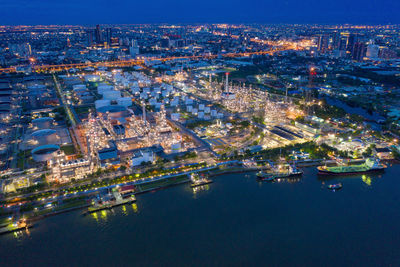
(187, 11)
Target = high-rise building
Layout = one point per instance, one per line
(134, 48)
(323, 43)
(165, 42)
(28, 49)
(359, 51)
(386, 53)
(90, 34)
(351, 40)
(342, 43)
(372, 51)
(98, 34)
(108, 36)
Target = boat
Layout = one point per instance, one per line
(370, 165)
(199, 181)
(265, 176)
(15, 226)
(282, 171)
(109, 201)
(335, 186)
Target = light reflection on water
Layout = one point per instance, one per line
(125, 210)
(199, 189)
(224, 211)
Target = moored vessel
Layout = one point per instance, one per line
(198, 180)
(281, 171)
(370, 165)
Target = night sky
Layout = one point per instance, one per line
(31, 12)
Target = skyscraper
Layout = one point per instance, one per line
(98, 35)
(372, 51)
(359, 51)
(134, 49)
(90, 34)
(108, 36)
(350, 43)
(323, 43)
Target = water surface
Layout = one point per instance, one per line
(236, 222)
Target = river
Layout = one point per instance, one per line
(236, 221)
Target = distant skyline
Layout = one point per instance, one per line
(90, 12)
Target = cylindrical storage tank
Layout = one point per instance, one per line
(102, 103)
(43, 123)
(175, 116)
(92, 78)
(78, 87)
(104, 88)
(45, 136)
(45, 153)
(112, 95)
(113, 112)
(124, 101)
(176, 147)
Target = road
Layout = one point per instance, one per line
(135, 62)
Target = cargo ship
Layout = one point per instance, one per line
(284, 171)
(370, 165)
(198, 181)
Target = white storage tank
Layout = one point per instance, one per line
(176, 147)
(152, 101)
(43, 123)
(104, 88)
(112, 95)
(174, 102)
(124, 101)
(45, 136)
(175, 116)
(102, 103)
(92, 78)
(79, 87)
(143, 96)
(135, 89)
(45, 152)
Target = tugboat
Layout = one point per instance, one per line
(198, 181)
(370, 165)
(335, 187)
(280, 172)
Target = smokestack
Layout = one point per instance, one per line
(226, 82)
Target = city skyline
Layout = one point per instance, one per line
(176, 11)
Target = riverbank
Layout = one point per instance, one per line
(81, 203)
